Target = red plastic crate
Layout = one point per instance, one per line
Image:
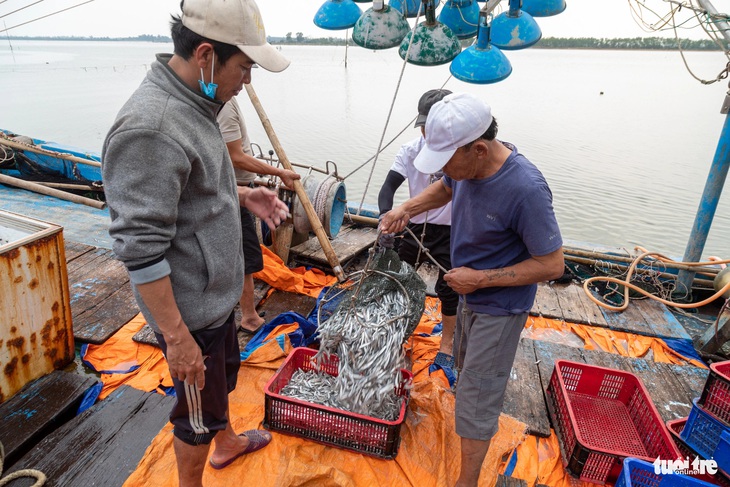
(715, 396)
(675, 427)
(602, 416)
(327, 425)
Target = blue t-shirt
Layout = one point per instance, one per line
(498, 222)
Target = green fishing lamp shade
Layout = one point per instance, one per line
(514, 29)
(461, 16)
(409, 8)
(380, 27)
(481, 63)
(337, 15)
(543, 8)
(433, 42)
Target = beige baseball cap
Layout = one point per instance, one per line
(235, 22)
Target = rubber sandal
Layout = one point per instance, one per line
(250, 332)
(256, 441)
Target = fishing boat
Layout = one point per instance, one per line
(98, 414)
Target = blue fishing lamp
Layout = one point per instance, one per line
(433, 42)
(337, 15)
(409, 8)
(543, 8)
(461, 16)
(515, 28)
(380, 27)
(481, 63)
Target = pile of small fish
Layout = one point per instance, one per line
(367, 339)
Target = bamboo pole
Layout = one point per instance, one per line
(30, 186)
(628, 260)
(329, 252)
(79, 187)
(362, 220)
(701, 283)
(4, 140)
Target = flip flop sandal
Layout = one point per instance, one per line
(257, 439)
(249, 332)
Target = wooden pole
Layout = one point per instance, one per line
(30, 186)
(329, 252)
(628, 260)
(362, 220)
(78, 187)
(4, 140)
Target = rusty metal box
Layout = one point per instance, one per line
(36, 334)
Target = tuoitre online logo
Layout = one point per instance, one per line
(685, 466)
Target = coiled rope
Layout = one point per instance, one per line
(36, 474)
(626, 283)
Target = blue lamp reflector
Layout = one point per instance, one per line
(461, 16)
(337, 15)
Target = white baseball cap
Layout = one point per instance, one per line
(234, 22)
(453, 122)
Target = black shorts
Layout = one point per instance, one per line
(438, 242)
(198, 415)
(253, 259)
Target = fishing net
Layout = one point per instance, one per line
(364, 322)
(384, 274)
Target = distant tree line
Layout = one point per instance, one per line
(625, 43)
(545, 43)
(143, 38)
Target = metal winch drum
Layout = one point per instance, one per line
(328, 197)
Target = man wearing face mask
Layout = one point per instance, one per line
(175, 216)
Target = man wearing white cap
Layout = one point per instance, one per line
(175, 216)
(504, 240)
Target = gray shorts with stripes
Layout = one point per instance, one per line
(198, 415)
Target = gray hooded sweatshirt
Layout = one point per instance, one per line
(172, 198)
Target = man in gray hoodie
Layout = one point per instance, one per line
(175, 216)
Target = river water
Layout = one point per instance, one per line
(624, 138)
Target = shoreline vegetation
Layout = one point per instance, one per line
(643, 43)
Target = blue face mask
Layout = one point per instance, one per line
(209, 89)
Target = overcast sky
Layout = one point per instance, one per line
(122, 18)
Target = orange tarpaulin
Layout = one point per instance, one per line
(428, 453)
(297, 280)
(120, 353)
(618, 342)
(429, 450)
(539, 462)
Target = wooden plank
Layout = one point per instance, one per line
(671, 387)
(101, 296)
(74, 250)
(662, 321)
(93, 277)
(260, 290)
(522, 400)
(282, 301)
(101, 322)
(577, 306)
(102, 445)
(39, 408)
(546, 353)
(349, 242)
(546, 302)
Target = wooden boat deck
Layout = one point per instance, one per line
(102, 302)
(103, 308)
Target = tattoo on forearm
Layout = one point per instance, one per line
(496, 274)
